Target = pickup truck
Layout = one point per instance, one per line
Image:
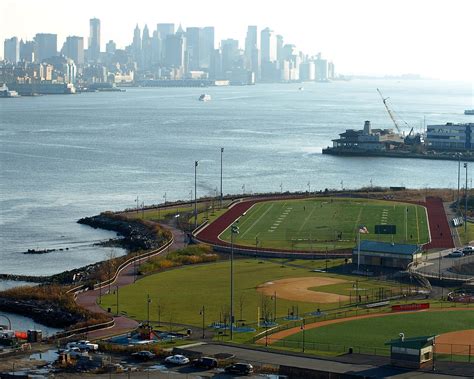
(83, 345)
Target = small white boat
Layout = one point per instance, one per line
(205, 97)
(301, 88)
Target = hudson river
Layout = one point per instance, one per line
(66, 157)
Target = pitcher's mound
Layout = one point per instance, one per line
(298, 289)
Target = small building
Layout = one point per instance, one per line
(386, 254)
(453, 137)
(415, 352)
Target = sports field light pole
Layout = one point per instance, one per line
(148, 301)
(234, 229)
(302, 328)
(117, 293)
(222, 194)
(465, 204)
(195, 193)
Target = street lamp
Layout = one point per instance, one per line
(195, 193)
(222, 195)
(302, 329)
(459, 180)
(117, 293)
(234, 230)
(148, 301)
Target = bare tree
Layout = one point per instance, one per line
(241, 305)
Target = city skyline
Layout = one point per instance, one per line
(366, 38)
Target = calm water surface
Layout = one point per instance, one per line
(66, 157)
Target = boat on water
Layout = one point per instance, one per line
(301, 89)
(469, 112)
(205, 97)
(5, 92)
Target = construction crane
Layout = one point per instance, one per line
(390, 112)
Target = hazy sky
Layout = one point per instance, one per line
(434, 38)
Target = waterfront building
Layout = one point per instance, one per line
(137, 45)
(193, 39)
(11, 50)
(46, 46)
(279, 48)
(156, 47)
(331, 71)
(453, 137)
(321, 69)
(206, 47)
(307, 71)
(165, 30)
(94, 40)
(70, 72)
(73, 48)
(250, 46)
(27, 51)
(230, 54)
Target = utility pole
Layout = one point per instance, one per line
(117, 293)
(203, 321)
(459, 180)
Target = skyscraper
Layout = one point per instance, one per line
(74, 48)
(206, 47)
(137, 45)
(146, 49)
(250, 46)
(27, 51)
(11, 49)
(268, 45)
(230, 54)
(165, 30)
(193, 42)
(46, 46)
(174, 50)
(156, 48)
(110, 47)
(94, 40)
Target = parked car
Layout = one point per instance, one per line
(456, 254)
(143, 355)
(87, 345)
(177, 359)
(468, 250)
(75, 352)
(205, 362)
(239, 369)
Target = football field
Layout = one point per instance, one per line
(332, 223)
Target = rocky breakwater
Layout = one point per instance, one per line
(44, 312)
(137, 234)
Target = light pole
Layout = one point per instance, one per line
(465, 204)
(148, 301)
(302, 328)
(203, 311)
(459, 180)
(117, 293)
(222, 194)
(234, 230)
(164, 196)
(195, 193)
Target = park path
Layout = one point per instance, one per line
(88, 299)
(273, 338)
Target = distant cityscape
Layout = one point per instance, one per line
(165, 56)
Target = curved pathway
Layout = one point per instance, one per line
(88, 299)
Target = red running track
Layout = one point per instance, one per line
(438, 223)
(439, 227)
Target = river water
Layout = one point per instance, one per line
(66, 157)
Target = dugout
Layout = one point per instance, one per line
(386, 254)
(416, 352)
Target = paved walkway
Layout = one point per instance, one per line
(89, 299)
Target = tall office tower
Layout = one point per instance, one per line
(256, 66)
(206, 50)
(46, 46)
(94, 40)
(175, 45)
(331, 71)
(165, 30)
(11, 50)
(137, 45)
(156, 45)
(110, 47)
(279, 47)
(27, 51)
(321, 69)
(215, 68)
(307, 71)
(230, 54)
(193, 43)
(146, 49)
(250, 45)
(74, 49)
(268, 45)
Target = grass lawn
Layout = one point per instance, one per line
(374, 332)
(466, 238)
(179, 294)
(317, 224)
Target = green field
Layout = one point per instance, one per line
(332, 223)
(374, 332)
(179, 294)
